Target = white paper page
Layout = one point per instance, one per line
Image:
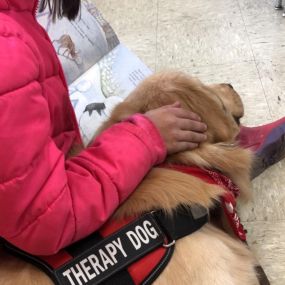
(103, 86)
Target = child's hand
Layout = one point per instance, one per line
(180, 129)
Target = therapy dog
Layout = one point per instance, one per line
(215, 253)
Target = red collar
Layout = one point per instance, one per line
(209, 176)
(228, 201)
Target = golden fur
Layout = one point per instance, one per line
(211, 255)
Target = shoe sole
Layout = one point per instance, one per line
(272, 151)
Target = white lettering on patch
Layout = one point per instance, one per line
(108, 255)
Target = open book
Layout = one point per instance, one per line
(100, 71)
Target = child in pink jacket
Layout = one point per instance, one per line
(48, 201)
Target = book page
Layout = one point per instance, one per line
(81, 43)
(99, 70)
(103, 86)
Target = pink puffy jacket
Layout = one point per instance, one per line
(46, 200)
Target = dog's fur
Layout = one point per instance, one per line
(212, 255)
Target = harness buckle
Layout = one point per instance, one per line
(166, 245)
(169, 244)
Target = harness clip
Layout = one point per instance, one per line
(169, 244)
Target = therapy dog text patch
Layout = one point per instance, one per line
(113, 253)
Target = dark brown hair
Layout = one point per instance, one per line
(61, 8)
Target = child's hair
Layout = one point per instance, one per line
(61, 8)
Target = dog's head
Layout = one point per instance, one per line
(219, 106)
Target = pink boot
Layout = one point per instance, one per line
(267, 142)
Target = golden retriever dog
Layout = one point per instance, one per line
(212, 255)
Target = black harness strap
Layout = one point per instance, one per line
(104, 261)
(122, 277)
(183, 222)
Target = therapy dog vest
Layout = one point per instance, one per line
(134, 250)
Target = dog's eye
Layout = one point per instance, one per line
(237, 120)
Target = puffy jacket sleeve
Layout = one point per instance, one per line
(46, 201)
